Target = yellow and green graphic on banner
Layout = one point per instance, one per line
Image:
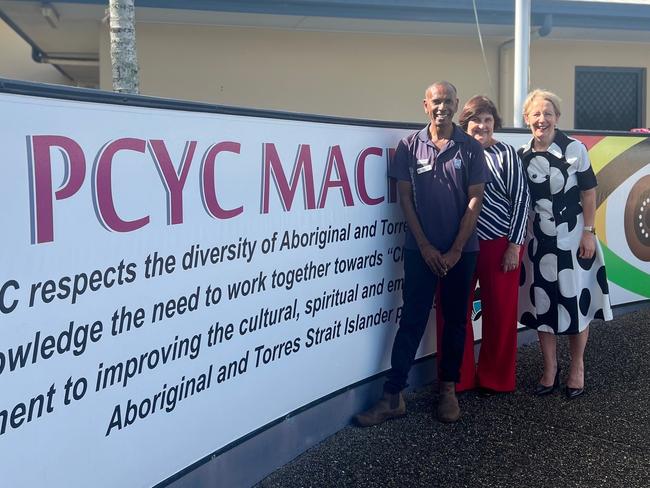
(615, 160)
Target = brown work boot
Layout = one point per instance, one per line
(390, 406)
(448, 409)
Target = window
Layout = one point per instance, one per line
(609, 98)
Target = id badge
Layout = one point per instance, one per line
(458, 162)
(423, 166)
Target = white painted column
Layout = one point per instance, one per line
(522, 51)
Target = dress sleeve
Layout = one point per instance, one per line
(399, 164)
(517, 188)
(585, 173)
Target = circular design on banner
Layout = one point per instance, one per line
(548, 267)
(557, 180)
(542, 301)
(563, 318)
(567, 283)
(637, 219)
(585, 301)
(599, 314)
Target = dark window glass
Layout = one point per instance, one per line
(609, 98)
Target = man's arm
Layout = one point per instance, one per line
(430, 254)
(467, 225)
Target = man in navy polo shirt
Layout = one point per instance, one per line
(440, 173)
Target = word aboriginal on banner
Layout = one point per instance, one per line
(173, 177)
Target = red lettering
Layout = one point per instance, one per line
(209, 192)
(103, 187)
(336, 164)
(392, 183)
(360, 170)
(41, 181)
(302, 169)
(173, 180)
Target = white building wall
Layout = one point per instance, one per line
(16, 60)
(351, 75)
(341, 74)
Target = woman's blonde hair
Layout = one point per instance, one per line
(544, 95)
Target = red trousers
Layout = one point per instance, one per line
(499, 292)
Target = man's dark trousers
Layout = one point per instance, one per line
(420, 285)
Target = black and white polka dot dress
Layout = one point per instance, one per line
(559, 292)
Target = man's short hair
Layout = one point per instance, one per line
(441, 83)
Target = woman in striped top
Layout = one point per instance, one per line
(501, 230)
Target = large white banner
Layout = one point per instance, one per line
(171, 281)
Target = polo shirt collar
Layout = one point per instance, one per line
(457, 135)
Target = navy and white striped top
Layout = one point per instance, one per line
(506, 199)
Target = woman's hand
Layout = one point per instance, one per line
(587, 245)
(510, 260)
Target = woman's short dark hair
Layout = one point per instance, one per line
(479, 104)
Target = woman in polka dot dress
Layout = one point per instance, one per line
(563, 284)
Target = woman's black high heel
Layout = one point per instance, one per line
(543, 390)
(573, 393)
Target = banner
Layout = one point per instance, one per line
(171, 281)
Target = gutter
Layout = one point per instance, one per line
(40, 56)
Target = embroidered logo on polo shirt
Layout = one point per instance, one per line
(423, 166)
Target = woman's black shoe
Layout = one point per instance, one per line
(543, 390)
(486, 392)
(572, 393)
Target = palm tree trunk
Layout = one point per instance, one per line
(124, 58)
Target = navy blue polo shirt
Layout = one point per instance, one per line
(440, 181)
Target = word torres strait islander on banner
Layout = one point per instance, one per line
(335, 177)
